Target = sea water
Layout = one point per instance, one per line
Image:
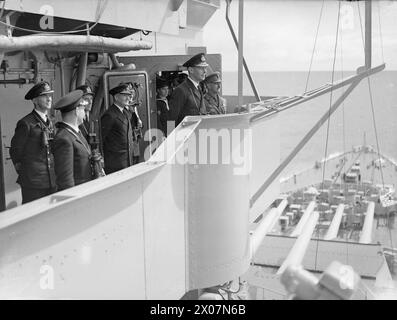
(354, 121)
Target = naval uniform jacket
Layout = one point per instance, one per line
(31, 150)
(215, 105)
(163, 113)
(186, 100)
(116, 130)
(72, 157)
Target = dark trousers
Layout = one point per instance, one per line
(135, 160)
(30, 194)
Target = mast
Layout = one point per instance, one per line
(240, 50)
(246, 69)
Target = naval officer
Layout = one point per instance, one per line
(188, 98)
(71, 151)
(163, 109)
(88, 95)
(117, 131)
(214, 103)
(30, 146)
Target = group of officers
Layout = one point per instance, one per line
(52, 157)
(198, 94)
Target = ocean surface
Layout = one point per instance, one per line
(353, 121)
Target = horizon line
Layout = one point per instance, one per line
(303, 70)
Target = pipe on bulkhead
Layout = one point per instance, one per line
(62, 76)
(82, 69)
(118, 65)
(71, 43)
(15, 81)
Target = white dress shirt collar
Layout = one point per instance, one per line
(195, 83)
(120, 108)
(42, 115)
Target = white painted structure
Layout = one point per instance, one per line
(298, 251)
(266, 225)
(366, 232)
(305, 217)
(164, 227)
(333, 229)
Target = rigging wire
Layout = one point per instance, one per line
(342, 181)
(314, 47)
(376, 132)
(343, 103)
(328, 121)
(371, 103)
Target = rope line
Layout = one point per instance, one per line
(314, 47)
(375, 129)
(328, 120)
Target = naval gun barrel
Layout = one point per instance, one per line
(302, 222)
(366, 232)
(334, 227)
(265, 225)
(298, 251)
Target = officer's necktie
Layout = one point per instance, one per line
(202, 104)
(200, 90)
(125, 112)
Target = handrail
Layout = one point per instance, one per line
(306, 96)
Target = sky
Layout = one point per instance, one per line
(280, 35)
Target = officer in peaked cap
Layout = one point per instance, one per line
(117, 131)
(71, 151)
(70, 101)
(89, 97)
(196, 61)
(214, 103)
(86, 90)
(30, 146)
(123, 88)
(214, 77)
(39, 89)
(188, 98)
